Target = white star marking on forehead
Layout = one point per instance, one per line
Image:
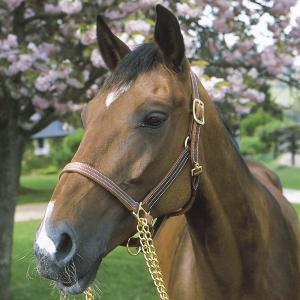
(115, 94)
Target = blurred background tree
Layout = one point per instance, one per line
(49, 64)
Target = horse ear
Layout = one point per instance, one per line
(111, 47)
(169, 38)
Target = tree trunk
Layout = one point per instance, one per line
(11, 151)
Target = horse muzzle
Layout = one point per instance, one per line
(58, 259)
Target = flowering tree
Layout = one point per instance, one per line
(49, 64)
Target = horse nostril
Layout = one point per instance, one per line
(64, 250)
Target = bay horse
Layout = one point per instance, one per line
(237, 239)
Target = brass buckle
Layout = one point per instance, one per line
(197, 170)
(195, 103)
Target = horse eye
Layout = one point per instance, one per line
(154, 120)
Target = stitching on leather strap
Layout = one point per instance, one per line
(151, 199)
(102, 180)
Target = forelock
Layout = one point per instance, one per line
(143, 59)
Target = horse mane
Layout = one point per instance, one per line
(142, 59)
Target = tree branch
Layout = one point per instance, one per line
(32, 128)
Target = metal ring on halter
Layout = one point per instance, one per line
(138, 249)
(187, 140)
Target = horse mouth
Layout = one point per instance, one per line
(80, 285)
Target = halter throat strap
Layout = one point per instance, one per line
(191, 151)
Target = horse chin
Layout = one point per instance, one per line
(82, 283)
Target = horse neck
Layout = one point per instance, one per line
(222, 222)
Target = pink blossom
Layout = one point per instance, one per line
(245, 45)
(92, 91)
(114, 14)
(64, 70)
(281, 7)
(70, 6)
(73, 82)
(137, 26)
(12, 40)
(213, 45)
(148, 3)
(198, 71)
(74, 107)
(60, 107)
(232, 56)
(222, 5)
(42, 51)
(286, 60)
(25, 62)
(242, 109)
(236, 81)
(221, 25)
(29, 13)
(9, 42)
(254, 95)
(97, 59)
(11, 57)
(210, 86)
(189, 44)
(60, 87)
(12, 69)
(24, 91)
(296, 76)
(89, 37)
(129, 6)
(253, 73)
(105, 2)
(43, 83)
(86, 75)
(183, 9)
(40, 102)
(12, 4)
(271, 61)
(219, 94)
(51, 8)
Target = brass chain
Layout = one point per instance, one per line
(146, 241)
(147, 246)
(89, 294)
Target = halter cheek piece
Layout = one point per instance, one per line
(191, 151)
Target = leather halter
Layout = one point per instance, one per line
(191, 151)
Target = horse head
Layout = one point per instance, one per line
(135, 129)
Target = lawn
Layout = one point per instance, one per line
(289, 176)
(36, 188)
(297, 208)
(121, 277)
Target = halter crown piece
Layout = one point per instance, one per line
(142, 209)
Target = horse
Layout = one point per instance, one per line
(237, 236)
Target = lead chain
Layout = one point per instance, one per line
(150, 255)
(89, 294)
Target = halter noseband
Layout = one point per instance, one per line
(191, 151)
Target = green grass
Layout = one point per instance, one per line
(36, 188)
(289, 176)
(39, 182)
(297, 208)
(121, 277)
